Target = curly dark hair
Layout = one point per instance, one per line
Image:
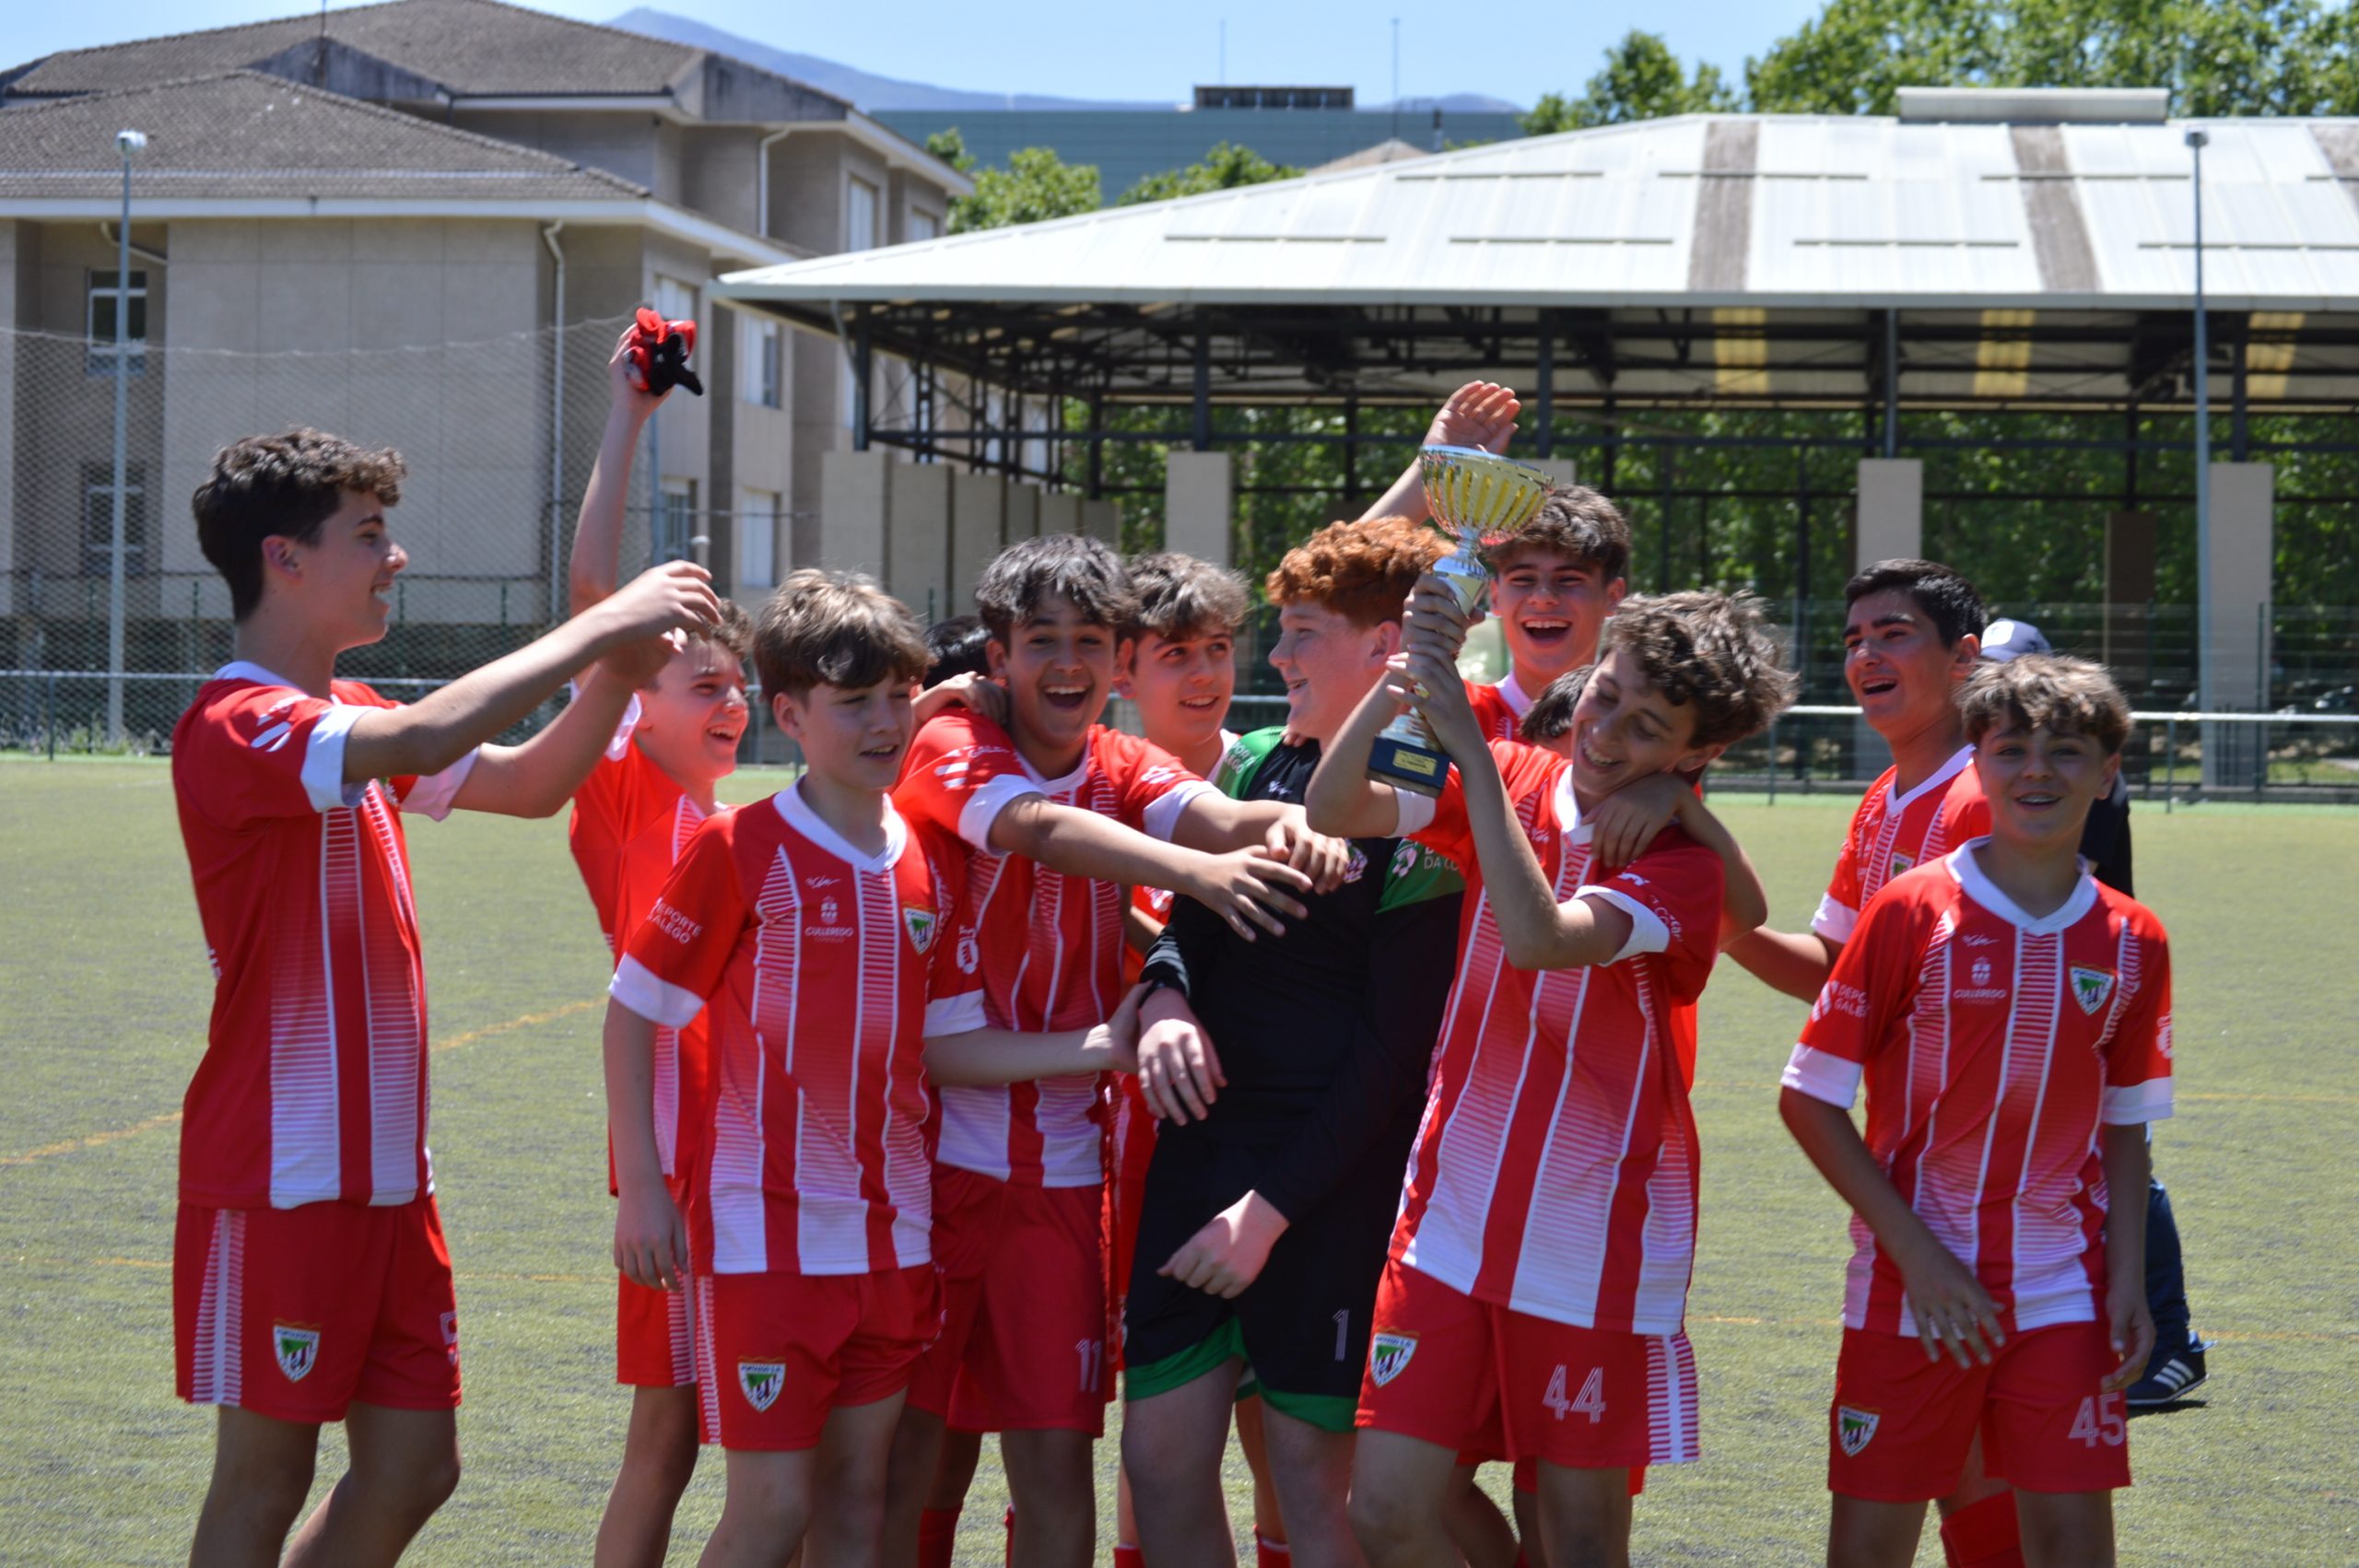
(1577, 524)
(1083, 572)
(1712, 650)
(2045, 691)
(1181, 597)
(836, 630)
(1361, 570)
(1947, 596)
(1551, 713)
(283, 486)
(957, 647)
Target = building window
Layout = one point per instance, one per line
(923, 224)
(676, 519)
(104, 298)
(758, 540)
(674, 300)
(98, 519)
(860, 215)
(758, 349)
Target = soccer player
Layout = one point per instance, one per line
(631, 818)
(2010, 1018)
(825, 934)
(1292, 1105)
(1554, 581)
(1062, 815)
(1537, 1274)
(310, 1279)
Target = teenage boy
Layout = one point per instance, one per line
(1555, 581)
(1274, 1188)
(1062, 815)
(631, 818)
(310, 1279)
(1536, 1291)
(2009, 1019)
(825, 935)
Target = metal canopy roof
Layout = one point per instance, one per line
(1721, 258)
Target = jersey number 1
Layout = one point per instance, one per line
(1589, 1401)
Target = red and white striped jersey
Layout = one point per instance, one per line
(1555, 1170)
(1050, 944)
(823, 970)
(1499, 708)
(1891, 832)
(1993, 1046)
(630, 822)
(312, 1088)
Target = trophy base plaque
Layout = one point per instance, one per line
(1405, 765)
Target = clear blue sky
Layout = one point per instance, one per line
(1519, 49)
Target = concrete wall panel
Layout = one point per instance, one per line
(854, 489)
(1196, 490)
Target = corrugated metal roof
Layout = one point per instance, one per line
(1768, 211)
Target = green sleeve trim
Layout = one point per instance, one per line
(1416, 873)
(1243, 759)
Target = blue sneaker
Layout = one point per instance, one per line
(2170, 1377)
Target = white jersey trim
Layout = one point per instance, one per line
(961, 1015)
(1648, 933)
(1968, 872)
(983, 807)
(2129, 1105)
(1835, 921)
(1161, 818)
(434, 795)
(1512, 692)
(1413, 813)
(1824, 1076)
(1895, 802)
(797, 814)
(323, 781)
(659, 1001)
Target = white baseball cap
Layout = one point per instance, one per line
(2002, 639)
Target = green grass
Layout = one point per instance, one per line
(106, 995)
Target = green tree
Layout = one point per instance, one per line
(1225, 167)
(950, 146)
(1036, 185)
(1642, 80)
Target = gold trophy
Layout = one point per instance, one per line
(1478, 498)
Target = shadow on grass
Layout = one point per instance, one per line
(2167, 1408)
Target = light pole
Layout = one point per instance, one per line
(2198, 139)
(127, 143)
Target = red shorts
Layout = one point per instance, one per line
(296, 1313)
(654, 1342)
(1447, 1369)
(1133, 1150)
(1901, 1425)
(776, 1352)
(1023, 1344)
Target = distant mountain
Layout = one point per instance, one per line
(873, 93)
(865, 90)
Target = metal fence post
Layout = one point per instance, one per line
(49, 714)
(1772, 762)
(2170, 763)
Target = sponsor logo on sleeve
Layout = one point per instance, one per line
(1854, 1428)
(760, 1381)
(1838, 997)
(297, 1349)
(1387, 1355)
(674, 924)
(2091, 987)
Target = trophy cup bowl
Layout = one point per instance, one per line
(1479, 499)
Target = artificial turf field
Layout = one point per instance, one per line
(103, 979)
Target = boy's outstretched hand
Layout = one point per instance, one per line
(629, 393)
(1480, 414)
(1440, 695)
(1626, 821)
(676, 596)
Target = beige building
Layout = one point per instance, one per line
(418, 224)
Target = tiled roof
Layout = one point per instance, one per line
(239, 134)
(469, 47)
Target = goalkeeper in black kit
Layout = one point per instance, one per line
(1291, 1071)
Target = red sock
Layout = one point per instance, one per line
(937, 1537)
(1011, 1535)
(1984, 1535)
(1268, 1553)
(1128, 1556)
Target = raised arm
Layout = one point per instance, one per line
(1343, 799)
(595, 567)
(443, 726)
(537, 779)
(1243, 887)
(1480, 414)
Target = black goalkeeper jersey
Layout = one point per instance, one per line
(1325, 1034)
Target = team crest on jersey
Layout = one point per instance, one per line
(920, 925)
(1982, 971)
(297, 1350)
(1853, 1428)
(1899, 864)
(1404, 859)
(2091, 987)
(1388, 1355)
(760, 1381)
